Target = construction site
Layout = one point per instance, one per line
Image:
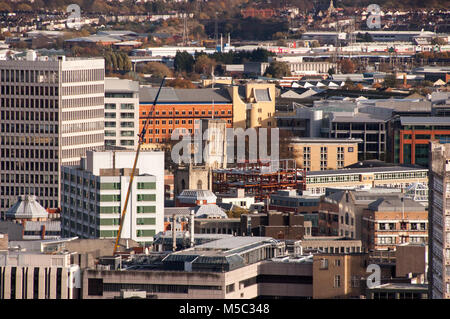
(259, 179)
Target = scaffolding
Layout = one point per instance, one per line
(260, 179)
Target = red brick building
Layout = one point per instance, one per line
(180, 108)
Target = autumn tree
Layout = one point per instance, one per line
(347, 66)
(156, 69)
(180, 83)
(278, 70)
(204, 64)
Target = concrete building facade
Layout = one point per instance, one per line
(318, 154)
(439, 221)
(121, 112)
(94, 196)
(52, 113)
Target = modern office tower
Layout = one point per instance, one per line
(121, 112)
(52, 111)
(439, 221)
(93, 196)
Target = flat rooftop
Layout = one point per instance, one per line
(402, 286)
(320, 140)
(422, 120)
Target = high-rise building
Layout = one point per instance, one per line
(439, 221)
(93, 196)
(121, 112)
(52, 111)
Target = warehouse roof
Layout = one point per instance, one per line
(171, 95)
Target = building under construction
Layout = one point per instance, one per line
(259, 179)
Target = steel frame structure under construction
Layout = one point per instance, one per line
(259, 179)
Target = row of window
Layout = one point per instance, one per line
(38, 191)
(402, 226)
(122, 124)
(87, 126)
(357, 177)
(123, 106)
(30, 76)
(109, 115)
(188, 113)
(29, 116)
(122, 142)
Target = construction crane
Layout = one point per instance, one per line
(140, 141)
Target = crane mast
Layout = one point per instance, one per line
(140, 141)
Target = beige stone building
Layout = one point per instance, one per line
(338, 276)
(253, 105)
(318, 154)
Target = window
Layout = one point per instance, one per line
(337, 262)
(350, 149)
(144, 185)
(146, 197)
(324, 263)
(337, 281)
(230, 288)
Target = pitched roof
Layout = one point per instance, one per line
(26, 207)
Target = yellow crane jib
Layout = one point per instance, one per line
(141, 139)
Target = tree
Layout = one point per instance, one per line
(390, 80)
(180, 83)
(204, 64)
(183, 62)
(438, 41)
(156, 69)
(5, 7)
(349, 84)
(278, 69)
(347, 66)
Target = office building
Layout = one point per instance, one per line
(52, 112)
(290, 201)
(439, 222)
(318, 154)
(339, 275)
(121, 112)
(274, 224)
(411, 136)
(93, 196)
(253, 105)
(389, 222)
(179, 109)
(220, 269)
(38, 275)
(400, 176)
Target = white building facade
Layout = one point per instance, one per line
(93, 196)
(121, 112)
